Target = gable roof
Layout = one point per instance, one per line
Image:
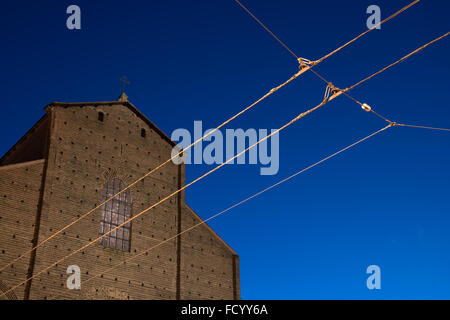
(129, 105)
(16, 153)
(125, 103)
(122, 101)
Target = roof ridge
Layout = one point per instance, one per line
(125, 103)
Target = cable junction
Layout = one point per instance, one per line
(312, 63)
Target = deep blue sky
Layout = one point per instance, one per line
(385, 202)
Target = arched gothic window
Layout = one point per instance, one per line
(114, 213)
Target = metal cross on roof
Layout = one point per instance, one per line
(125, 82)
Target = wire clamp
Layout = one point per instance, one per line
(330, 91)
(304, 63)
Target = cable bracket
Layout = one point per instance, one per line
(304, 63)
(330, 91)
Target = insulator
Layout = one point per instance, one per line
(366, 107)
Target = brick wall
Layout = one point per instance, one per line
(206, 263)
(84, 154)
(19, 195)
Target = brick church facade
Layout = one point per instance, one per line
(71, 160)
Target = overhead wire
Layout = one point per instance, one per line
(303, 68)
(400, 60)
(234, 206)
(339, 48)
(345, 92)
(301, 115)
(421, 127)
(367, 31)
(267, 29)
(391, 124)
(333, 94)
